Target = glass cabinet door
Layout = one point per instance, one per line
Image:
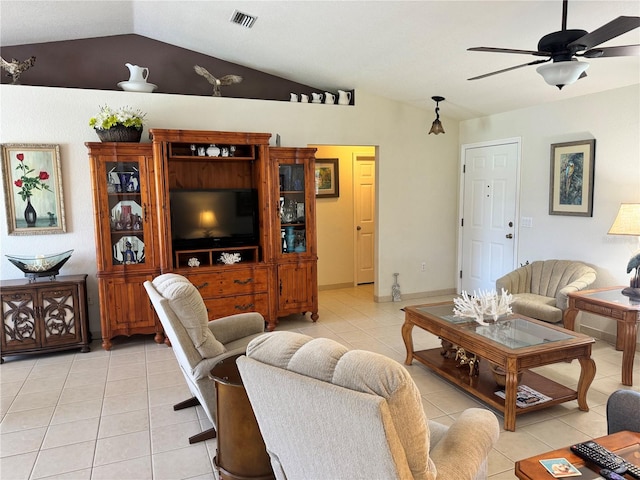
(293, 229)
(127, 216)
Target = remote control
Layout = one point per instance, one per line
(599, 455)
(610, 475)
(633, 470)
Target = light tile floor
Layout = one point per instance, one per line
(108, 415)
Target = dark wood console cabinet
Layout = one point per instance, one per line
(44, 316)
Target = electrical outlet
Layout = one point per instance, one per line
(423, 267)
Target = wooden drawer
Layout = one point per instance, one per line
(230, 282)
(221, 307)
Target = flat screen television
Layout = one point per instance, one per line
(213, 218)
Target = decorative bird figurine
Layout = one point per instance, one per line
(217, 82)
(15, 68)
(634, 263)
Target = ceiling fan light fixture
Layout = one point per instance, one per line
(436, 126)
(562, 73)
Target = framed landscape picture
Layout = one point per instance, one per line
(33, 189)
(572, 174)
(327, 178)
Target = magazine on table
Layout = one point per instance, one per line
(526, 396)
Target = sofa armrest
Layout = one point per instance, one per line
(234, 327)
(466, 446)
(580, 284)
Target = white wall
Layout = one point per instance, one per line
(416, 172)
(613, 119)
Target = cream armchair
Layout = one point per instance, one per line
(540, 288)
(326, 412)
(197, 343)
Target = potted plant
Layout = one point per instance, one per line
(122, 125)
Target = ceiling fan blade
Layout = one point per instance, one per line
(606, 32)
(535, 62)
(508, 50)
(621, 51)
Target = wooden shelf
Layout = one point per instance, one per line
(484, 386)
(209, 257)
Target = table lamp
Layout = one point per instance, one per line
(627, 222)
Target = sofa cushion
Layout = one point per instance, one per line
(358, 370)
(185, 300)
(536, 306)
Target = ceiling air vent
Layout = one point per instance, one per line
(243, 19)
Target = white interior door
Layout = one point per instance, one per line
(364, 209)
(489, 213)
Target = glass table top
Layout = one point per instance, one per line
(512, 331)
(614, 296)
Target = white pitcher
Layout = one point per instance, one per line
(344, 98)
(329, 97)
(304, 98)
(293, 97)
(137, 74)
(316, 97)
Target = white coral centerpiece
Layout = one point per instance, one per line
(229, 258)
(483, 304)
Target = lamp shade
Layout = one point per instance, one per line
(562, 73)
(627, 221)
(436, 127)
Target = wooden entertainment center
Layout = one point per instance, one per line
(132, 187)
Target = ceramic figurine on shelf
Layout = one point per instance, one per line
(128, 256)
(217, 82)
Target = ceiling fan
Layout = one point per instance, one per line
(564, 46)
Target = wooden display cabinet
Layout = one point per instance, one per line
(126, 237)
(294, 241)
(44, 316)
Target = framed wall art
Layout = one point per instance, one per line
(327, 178)
(572, 174)
(33, 189)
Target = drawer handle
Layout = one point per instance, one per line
(244, 307)
(243, 282)
(205, 284)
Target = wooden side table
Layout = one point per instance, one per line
(609, 302)
(241, 452)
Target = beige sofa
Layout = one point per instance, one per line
(327, 412)
(540, 288)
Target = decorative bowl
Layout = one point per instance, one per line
(137, 86)
(500, 376)
(40, 265)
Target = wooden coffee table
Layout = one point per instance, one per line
(610, 303)
(626, 444)
(515, 343)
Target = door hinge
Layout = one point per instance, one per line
(460, 273)
(462, 222)
(464, 168)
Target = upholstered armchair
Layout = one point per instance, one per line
(197, 343)
(328, 412)
(540, 288)
(623, 411)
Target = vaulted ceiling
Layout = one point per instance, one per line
(404, 50)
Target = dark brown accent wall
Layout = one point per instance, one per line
(99, 63)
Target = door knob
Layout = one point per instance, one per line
(358, 228)
(509, 235)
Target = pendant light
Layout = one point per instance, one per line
(436, 126)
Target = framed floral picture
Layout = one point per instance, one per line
(327, 178)
(33, 189)
(572, 174)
